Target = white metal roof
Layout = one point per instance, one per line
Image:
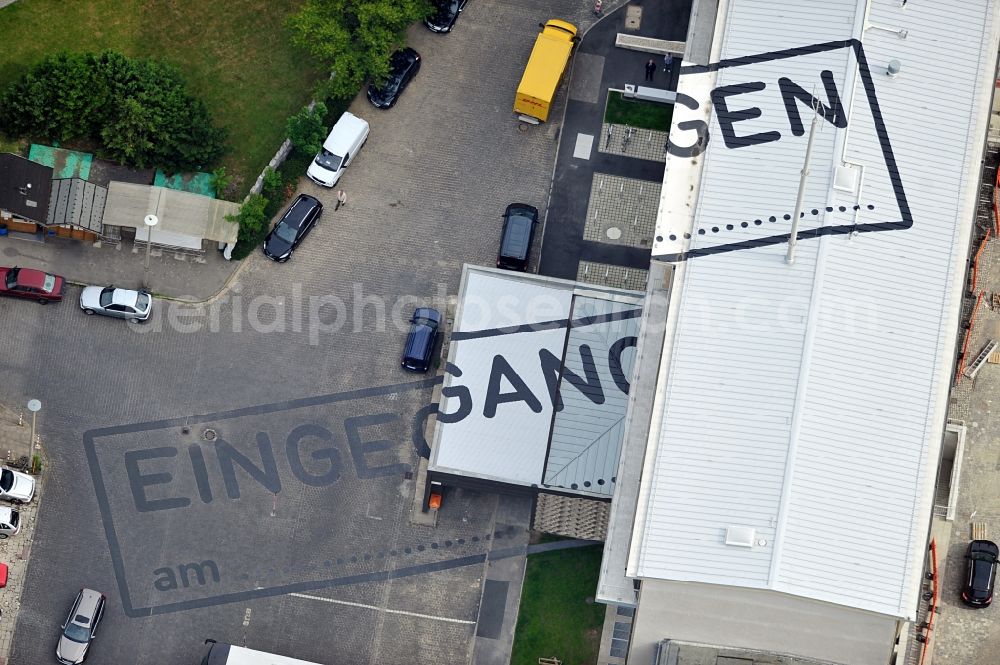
(587, 433)
(807, 401)
(504, 324)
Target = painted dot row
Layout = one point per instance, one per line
(758, 222)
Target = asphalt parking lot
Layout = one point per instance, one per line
(285, 528)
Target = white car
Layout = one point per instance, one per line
(16, 486)
(10, 523)
(339, 150)
(119, 303)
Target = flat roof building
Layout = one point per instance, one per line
(536, 385)
(789, 446)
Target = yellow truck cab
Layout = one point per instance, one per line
(546, 65)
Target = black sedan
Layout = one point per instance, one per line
(403, 66)
(980, 573)
(293, 226)
(445, 14)
(421, 339)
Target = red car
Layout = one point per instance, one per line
(31, 284)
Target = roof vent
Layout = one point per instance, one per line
(740, 536)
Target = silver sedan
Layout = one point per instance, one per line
(119, 303)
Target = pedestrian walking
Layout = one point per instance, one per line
(650, 69)
(668, 61)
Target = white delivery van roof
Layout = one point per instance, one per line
(344, 134)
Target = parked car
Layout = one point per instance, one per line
(445, 14)
(293, 226)
(339, 149)
(119, 303)
(10, 523)
(516, 237)
(403, 66)
(31, 284)
(980, 573)
(16, 486)
(421, 339)
(80, 627)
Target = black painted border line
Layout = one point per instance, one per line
(906, 217)
(100, 490)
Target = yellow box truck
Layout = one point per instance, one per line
(545, 68)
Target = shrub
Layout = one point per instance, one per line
(253, 223)
(138, 109)
(306, 129)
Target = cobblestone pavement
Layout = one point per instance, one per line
(617, 277)
(646, 144)
(195, 536)
(622, 211)
(15, 441)
(175, 275)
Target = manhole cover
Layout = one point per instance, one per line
(614, 233)
(210, 434)
(633, 17)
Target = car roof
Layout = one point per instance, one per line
(31, 277)
(88, 603)
(515, 237)
(124, 297)
(341, 136)
(296, 212)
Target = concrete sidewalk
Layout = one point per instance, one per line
(185, 277)
(589, 175)
(14, 551)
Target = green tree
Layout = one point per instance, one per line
(139, 109)
(253, 225)
(354, 38)
(307, 130)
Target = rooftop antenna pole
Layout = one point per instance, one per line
(793, 238)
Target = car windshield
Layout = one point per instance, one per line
(77, 633)
(106, 296)
(424, 321)
(15, 517)
(49, 284)
(142, 301)
(12, 277)
(328, 160)
(285, 232)
(6, 480)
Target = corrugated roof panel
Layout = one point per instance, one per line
(805, 400)
(587, 432)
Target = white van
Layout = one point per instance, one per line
(339, 148)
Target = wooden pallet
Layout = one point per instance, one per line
(979, 530)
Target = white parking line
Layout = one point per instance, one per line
(382, 609)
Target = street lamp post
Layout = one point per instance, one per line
(34, 406)
(150, 221)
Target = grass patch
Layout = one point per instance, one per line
(555, 618)
(236, 57)
(638, 113)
